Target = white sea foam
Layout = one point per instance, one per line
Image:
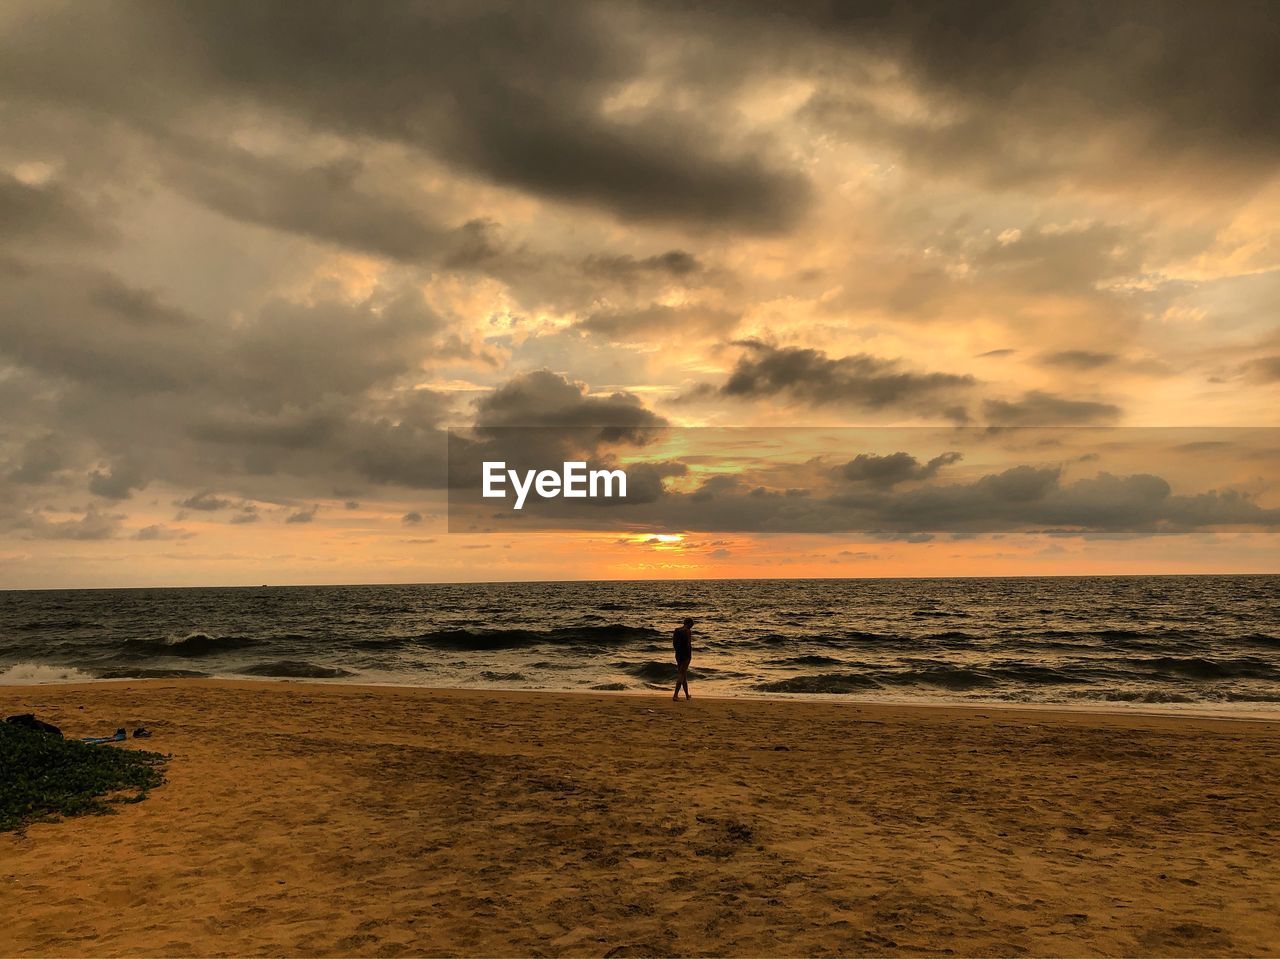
(35, 674)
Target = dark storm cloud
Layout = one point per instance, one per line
(1032, 499)
(93, 525)
(140, 307)
(288, 429)
(46, 212)
(714, 485)
(509, 92)
(657, 321)
(1265, 369)
(860, 382)
(1038, 408)
(301, 351)
(40, 459)
(83, 325)
(159, 531)
(1162, 83)
(674, 263)
(547, 399)
(539, 420)
(526, 96)
(175, 395)
(117, 483)
(205, 502)
(887, 471)
(401, 443)
(325, 202)
(1078, 359)
(295, 397)
(1028, 496)
(646, 482)
(383, 129)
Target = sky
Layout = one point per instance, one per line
(1001, 279)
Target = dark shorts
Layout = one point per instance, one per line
(684, 657)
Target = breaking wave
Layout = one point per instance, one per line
(191, 646)
(294, 669)
(34, 674)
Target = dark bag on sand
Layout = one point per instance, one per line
(29, 721)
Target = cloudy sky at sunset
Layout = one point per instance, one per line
(256, 259)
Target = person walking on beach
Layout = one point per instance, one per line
(683, 642)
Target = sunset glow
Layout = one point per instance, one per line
(248, 285)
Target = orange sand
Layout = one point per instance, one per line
(309, 819)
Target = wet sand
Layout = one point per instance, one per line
(309, 819)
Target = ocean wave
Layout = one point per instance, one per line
(1251, 696)
(496, 677)
(482, 639)
(383, 642)
(944, 677)
(1143, 634)
(1153, 635)
(34, 674)
(71, 623)
(954, 678)
(662, 671)
(143, 672)
(1159, 696)
(1152, 696)
(851, 637)
(998, 674)
(870, 637)
(1038, 647)
(809, 660)
(1261, 639)
(189, 646)
(1198, 667)
(775, 639)
(820, 683)
(652, 671)
(485, 639)
(1034, 675)
(294, 669)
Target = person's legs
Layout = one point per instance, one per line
(680, 667)
(683, 679)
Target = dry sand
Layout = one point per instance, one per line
(308, 819)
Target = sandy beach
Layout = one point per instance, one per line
(309, 819)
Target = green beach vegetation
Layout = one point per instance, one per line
(44, 776)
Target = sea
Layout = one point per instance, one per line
(1162, 641)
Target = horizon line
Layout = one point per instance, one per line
(699, 579)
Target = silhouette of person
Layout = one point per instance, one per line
(682, 640)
